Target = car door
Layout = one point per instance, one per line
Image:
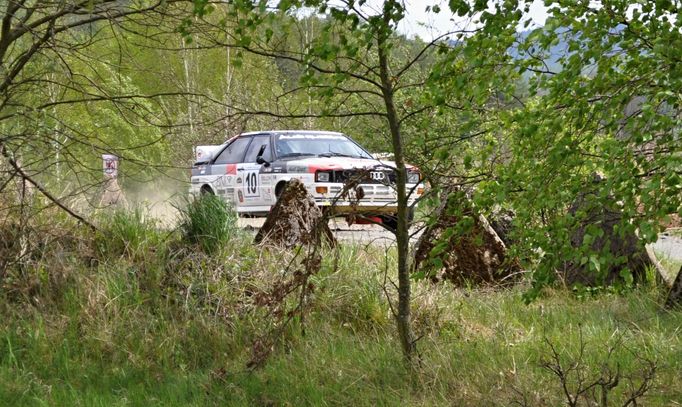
(224, 170)
(257, 186)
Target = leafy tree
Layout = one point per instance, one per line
(358, 67)
(612, 109)
(60, 96)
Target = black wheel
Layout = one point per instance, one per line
(279, 188)
(391, 221)
(206, 190)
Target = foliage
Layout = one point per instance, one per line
(185, 340)
(63, 102)
(129, 234)
(207, 222)
(149, 319)
(610, 112)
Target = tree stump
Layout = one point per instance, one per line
(462, 247)
(619, 245)
(675, 294)
(502, 222)
(294, 220)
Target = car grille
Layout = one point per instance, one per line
(378, 176)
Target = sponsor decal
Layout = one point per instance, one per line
(297, 168)
(240, 195)
(239, 180)
(225, 180)
(231, 169)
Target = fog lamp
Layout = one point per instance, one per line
(413, 178)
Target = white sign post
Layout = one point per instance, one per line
(110, 165)
(112, 196)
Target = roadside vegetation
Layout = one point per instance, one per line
(140, 315)
(571, 128)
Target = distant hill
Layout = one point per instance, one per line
(555, 52)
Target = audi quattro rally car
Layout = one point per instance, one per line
(251, 169)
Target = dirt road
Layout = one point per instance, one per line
(668, 245)
(365, 234)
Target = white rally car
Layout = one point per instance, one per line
(251, 169)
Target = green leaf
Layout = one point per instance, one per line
(594, 260)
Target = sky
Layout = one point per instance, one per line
(428, 25)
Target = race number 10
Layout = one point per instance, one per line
(251, 184)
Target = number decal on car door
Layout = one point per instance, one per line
(251, 184)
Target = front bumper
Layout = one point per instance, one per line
(375, 198)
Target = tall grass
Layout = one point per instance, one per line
(115, 337)
(130, 234)
(208, 222)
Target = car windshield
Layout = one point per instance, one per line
(324, 145)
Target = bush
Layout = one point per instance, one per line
(208, 222)
(128, 233)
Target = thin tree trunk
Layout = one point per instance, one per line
(403, 319)
(186, 61)
(228, 94)
(308, 34)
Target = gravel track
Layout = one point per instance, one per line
(669, 244)
(359, 234)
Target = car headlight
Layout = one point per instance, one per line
(413, 178)
(321, 176)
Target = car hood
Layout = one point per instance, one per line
(313, 164)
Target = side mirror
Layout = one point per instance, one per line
(259, 157)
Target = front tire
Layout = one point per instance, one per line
(206, 190)
(391, 221)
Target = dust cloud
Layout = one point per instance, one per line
(159, 199)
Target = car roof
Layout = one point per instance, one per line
(252, 133)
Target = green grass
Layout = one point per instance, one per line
(207, 222)
(175, 327)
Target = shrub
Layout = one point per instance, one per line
(128, 233)
(208, 221)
